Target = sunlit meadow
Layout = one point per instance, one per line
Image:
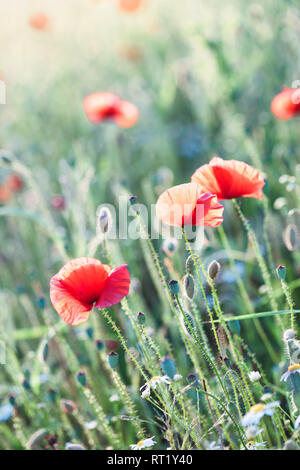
(147, 340)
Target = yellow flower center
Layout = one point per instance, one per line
(250, 443)
(139, 444)
(154, 378)
(293, 367)
(257, 408)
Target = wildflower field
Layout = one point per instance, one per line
(150, 217)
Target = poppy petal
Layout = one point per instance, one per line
(76, 287)
(229, 179)
(116, 287)
(127, 114)
(286, 104)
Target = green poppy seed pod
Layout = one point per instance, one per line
(290, 445)
(141, 318)
(213, 269)
(168, 366)
(90, 332)
(113, 359)
(188, 282)
(81, 378)
(281, 272)
(99, 345)
(174, 287)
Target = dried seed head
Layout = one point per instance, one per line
(213, 269)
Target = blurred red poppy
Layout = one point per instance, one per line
(129, 5)
(104, 106)
(229, 179)
(39, 21)
(188, 204)
(58, 202)
(84, 283)
(14, 182)
(5, 193)
(286, 104)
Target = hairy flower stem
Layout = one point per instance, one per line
(261, 262)
(245, 296)
(290, 302)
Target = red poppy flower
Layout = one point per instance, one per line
(229, 179)
(58, 202)
(129, 5)
(15, 183)
(84, 283)
(286, 104)
(104, 106)
(188, 204)
(39, 21)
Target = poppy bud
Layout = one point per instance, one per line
(170, 246)
(189, 286)
(81, 378)
(36, 438)
(26, 385)
(168, 366)
(141, 318)
(104, 220)
(289, 334)
(90, 332)
(290, 445)
(12, 400)
(113, 359)
(100, 345)
(67, 406)
(193, 379)
(174, 287)
(132, 200)
(52, 395)
(281, 272)
(43, 351)
(213, 269)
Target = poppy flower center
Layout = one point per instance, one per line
(257, 408)
(293, 367)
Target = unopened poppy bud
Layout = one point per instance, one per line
(193, 379)
(26, 385)
(289, 334)
(52, 395)
(290, 445)
(100, 345)
(132, 200)
(169, 246)
(174, 287)
(81, 378)
(189, 286)
(168, 366)
(104, 220)
(141, 318)
(90, 332)
(213, 269)
(281, 272)
(12, 400)
(113, 359)
(36, 438)
(67, 406)
(43, 351)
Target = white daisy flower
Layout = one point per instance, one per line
(91, 424)
(254, 375)
(297, 422)
(177, 377)
(292, 369)
(266, 396)
(158, 379)
(251, 445)
(257, 412)
(142, 444)
(213, 446)
(252, 432)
